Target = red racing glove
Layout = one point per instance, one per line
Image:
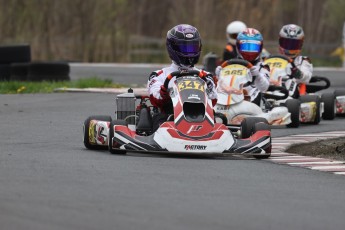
(164, 93)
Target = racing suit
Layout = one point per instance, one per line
(260, 73)
(302, 72)
(229, 52)
(154, 87)
(260, 83)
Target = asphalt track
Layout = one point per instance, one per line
(48, 180)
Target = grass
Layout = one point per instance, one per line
(21, 87)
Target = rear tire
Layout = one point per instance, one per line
(248, 125)
(317, 100)
(86, 135)
(111, 135)
(293, 106)
(328, 100)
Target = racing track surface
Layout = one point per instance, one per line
(48, 180)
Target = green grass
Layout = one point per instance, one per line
(21, 87)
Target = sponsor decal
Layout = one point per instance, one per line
(189, 35)
(340, 103)
(101, 136)
(308, 112)
(194, 96)
(195, 147)
(194, 128)
(151, 82)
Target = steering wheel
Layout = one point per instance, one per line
(179, 74)
(281, 89)
(289, 60)
(245, 63)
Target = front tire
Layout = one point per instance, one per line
(248, 125)
(86, 134)
(293, 106)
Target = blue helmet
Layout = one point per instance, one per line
(249, 44)
(184, 45)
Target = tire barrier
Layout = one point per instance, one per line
(14, 54)
(48, 71)
(19, 71)
(5, 72)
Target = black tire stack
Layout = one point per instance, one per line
(12, 54)
(16, 65)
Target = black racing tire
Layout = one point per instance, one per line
(19, 71)
(15, 53)
(86, 136)
(5, 72)
(339, 92)
(328, 100)
(111, 135)
(293, 106)
(317, 100)
(261, 126)
(248, 124)
(49, 71)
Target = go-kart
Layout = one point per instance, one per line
(234, 101)
(312, 106)
(190, 130)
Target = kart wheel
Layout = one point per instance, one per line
(317, 100)
(339, 92)
(261, 126)
(293, 106)
(111, 136)
(248, 125)
(86, 128)
(328, 100)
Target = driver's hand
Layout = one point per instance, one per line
(296, 73)
(164, 93)
(217, 71)
(255, 70)
(209, 82)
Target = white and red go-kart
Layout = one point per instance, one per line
(190, 130)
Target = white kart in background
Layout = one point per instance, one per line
(233, 101)
(313, 107)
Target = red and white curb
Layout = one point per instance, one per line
(281, 144)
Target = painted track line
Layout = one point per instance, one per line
(281, 144)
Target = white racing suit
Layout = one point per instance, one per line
(156, 80)
(237, 111)
(304, 65)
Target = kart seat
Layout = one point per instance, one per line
(144, 125)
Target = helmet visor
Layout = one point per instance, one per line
(233, 36)
(291, 44)
(250, 46)
(187, 47)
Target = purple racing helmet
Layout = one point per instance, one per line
(184, 45)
